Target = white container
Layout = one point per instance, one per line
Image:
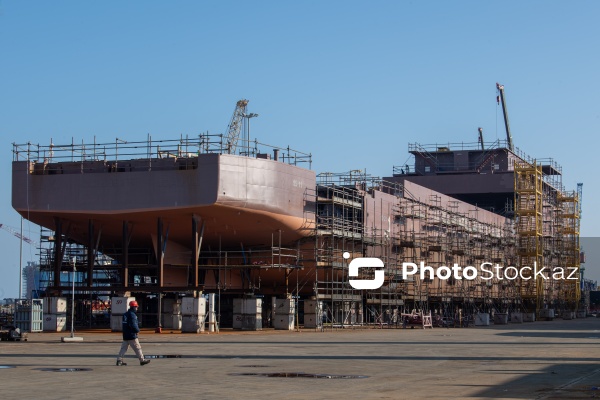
(166, 321)
(251, 322)
(238, 306)
(529, 317)
(176, 321)
(482, 319)
(547, 313)
(313, 307)
(166, 306)
(313, 320)
(55, 322)
(192, 324)
(516, 318)
(55, 305)
(116, 323)
(284, 322)
(285, 306)
(500, 318)
(120, 305)
(249, 306)
(237, 320)
(191, 306)
(175, 308)
(568, 315)
(171, 306)
(252, 306)
(29, 315)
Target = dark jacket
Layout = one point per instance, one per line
(130, 325)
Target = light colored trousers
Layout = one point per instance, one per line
(135, 345)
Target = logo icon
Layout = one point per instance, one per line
(365, 262)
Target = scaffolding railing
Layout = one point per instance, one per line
(433, 154)
(184, 147)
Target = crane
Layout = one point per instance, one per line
(500, 98)
(23, 239)
(235, 126)
(579, 197)
(17, 234)
(480, 130)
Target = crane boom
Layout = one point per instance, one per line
(235, 125)
(17, 234)
(480, 130)
(579, 198)
(501, 98)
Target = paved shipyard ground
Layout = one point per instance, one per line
(542, 360)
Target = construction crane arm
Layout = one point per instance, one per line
(499, 99)
(579, 198)
(17, 234)
(235, 125)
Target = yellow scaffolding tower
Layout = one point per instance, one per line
(529, 226)
(570, 237)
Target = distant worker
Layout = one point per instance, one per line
(130, 335)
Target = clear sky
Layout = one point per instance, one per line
(352, 82)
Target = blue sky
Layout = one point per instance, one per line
(350, 82)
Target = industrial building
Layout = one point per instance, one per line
(228, 216)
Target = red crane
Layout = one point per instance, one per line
(17, 234)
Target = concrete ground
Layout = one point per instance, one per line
(542, 360)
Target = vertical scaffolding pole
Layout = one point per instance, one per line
(21, 263)
(197, 244)
(125, 253)
(58, 254)
(160, 255)
(90, 255)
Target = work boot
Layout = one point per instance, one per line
(144, 362)
(119, 363)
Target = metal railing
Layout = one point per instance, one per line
(430, 153)
(184, 147)
(454, 146)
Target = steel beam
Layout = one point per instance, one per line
(58, 254)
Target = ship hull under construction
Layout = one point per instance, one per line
(240, 200)
(211, 201)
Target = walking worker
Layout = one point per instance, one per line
(130, 335)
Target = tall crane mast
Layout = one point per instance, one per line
(500, 98)
(235, 125)
(579, 197)
(480, 130)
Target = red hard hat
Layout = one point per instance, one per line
(133, 303)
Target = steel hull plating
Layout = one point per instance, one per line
(240, 200)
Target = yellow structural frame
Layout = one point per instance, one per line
(529, 229)
(569, 202)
